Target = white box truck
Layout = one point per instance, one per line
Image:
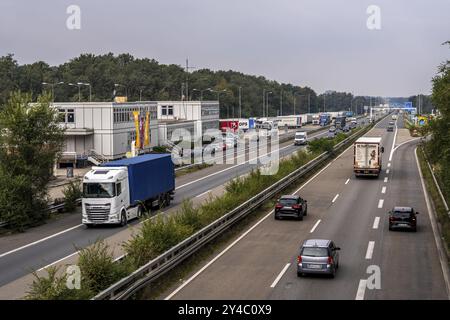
(367, 156)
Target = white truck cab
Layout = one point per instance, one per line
(106, 196)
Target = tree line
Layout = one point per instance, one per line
(147, 79)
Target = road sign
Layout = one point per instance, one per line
(408, 105)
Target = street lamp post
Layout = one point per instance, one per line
(267, 102)
(79, 91)
(53, 87)
(240, 103)
(90, 89)
(121, 85)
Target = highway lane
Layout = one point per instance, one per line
(262, 265)
(34, 257)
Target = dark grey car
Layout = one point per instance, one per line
(291, 206)
(318, 256)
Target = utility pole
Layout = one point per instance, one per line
(187, 78)
(240, 103)
(264, 102)
(281, 103)
(309, 103)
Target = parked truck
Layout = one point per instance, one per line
(289, 121)
(367, 156)
(121, 190)
(315, 120)
(325, 119)
(340, 122)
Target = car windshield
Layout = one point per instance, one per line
(288, 202)
(398, 214)
(98, 190)
(314, 252)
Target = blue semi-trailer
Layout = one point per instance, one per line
(120, 190)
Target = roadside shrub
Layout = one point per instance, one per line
(54, 287)
(156, 236)
(321, 145)
(72, 192)
(97, 266)
(189, 216)
(160, 149)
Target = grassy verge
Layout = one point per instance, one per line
(442, 216)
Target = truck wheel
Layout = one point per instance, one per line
(168, 200)
(139, 212)
(123, 219)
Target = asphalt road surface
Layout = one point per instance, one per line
(353, 213)
(23, 258)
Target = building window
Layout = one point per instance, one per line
(170, 110)
(164, 110)
(70, 116)
(62, 115)
(66, 116)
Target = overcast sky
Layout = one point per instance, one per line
(324, 44)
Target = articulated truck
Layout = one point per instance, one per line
(121, 190)
(367, 156)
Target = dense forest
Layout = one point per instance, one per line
(147, 79)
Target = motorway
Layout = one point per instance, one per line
(19, 257)
(261, 263)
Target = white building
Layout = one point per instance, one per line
(100, 131)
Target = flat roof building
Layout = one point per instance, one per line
(104, 131)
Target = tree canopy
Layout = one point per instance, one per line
(147, 79)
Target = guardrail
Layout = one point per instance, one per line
(154, 269)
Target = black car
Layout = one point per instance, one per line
(291, 206)
(403, 217)
(390, 128)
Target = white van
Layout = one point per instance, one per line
(300, 138)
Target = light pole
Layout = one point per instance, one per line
(267, 102)
(121, 85)
(240, 103)
(78, 84)
(201, 92)
(218, 95)
(53, 87)
(90, 91)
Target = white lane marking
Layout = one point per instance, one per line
(274, 283)
(393, 142)
(389, 164)
(216, 257)
(202, 194)
(247, 232)
(55, 262)
(335, 198)
(442, 255)
(38, 241)
(376, 222)
(369, 251)
(401, 144)
(386, 179)
(361, 289)
(315, 226)
(380, 203)
(383, 190)
(387, 171)
(348, 180)
(234, 166)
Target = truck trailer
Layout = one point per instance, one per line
(289, 121)
(367, 156)
(121, 190)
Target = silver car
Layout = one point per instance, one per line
(318, 256)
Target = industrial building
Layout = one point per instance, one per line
(102, 131)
